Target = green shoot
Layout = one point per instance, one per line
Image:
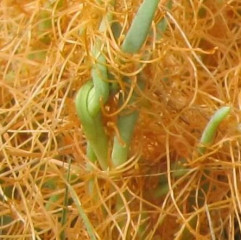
(140, 27)
(211, 128)
(100, 91)
(126, 125)
(162, 25)
(93, 127)
(133, 42)
(64, 211)
(82, 214)
(89, 100)
(206, 140)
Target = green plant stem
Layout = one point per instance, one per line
(65, 210)
(82, 214)
(140, 27)
(211, 128)
(133, 42)
(99, 94)
(162, 25)
(206, 140)
(126, 124)
(91, 97)
(92, 157)
(90, 154)
(93, 127)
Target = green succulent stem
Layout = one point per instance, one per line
(140, 27)
(93, 126)
(162, 25)
(125, 125)
(206, 140)
(99, 94)
(211, 128)
(133, 42)
(91, 97)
